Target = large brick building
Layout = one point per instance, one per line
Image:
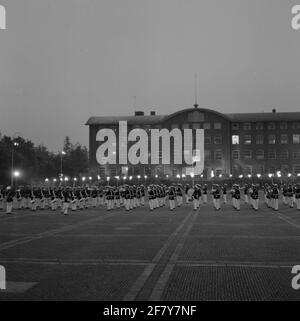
(235, 144)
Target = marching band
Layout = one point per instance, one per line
(131, 197)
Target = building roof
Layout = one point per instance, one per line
(131, 120)
(261, 117)
(156, 119)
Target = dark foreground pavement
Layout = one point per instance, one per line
(142, 255)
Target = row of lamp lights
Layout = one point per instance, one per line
(108, 178)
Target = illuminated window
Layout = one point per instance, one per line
(283, 139)
(247, 139)
(259, 139)
(235, 139)
(272, 139)
(296, 139)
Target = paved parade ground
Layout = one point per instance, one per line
(142, 255)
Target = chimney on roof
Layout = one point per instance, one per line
(138, 113)
(273, 110)
(152, 113)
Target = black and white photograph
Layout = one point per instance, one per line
(149, 152)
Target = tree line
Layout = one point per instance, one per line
(35, 163)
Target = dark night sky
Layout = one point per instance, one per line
(62, 61)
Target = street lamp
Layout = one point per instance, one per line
(61, 162)
(145, 176)
(15, 144)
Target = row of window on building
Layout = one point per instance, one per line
(261, 155)
(260, 139)
(269, 126)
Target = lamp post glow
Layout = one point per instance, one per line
(145, 176)
(16, 175)
(192, 176)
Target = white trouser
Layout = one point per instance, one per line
(127, 204)
(179, 200)
(74, 205)
(298, 203)
(33, 205)
(186, 198)
(9, 207)
(237, 204)
(225, 198)
(216, 202)
(65, 208)
(246, 198)
(195, 204)
(151, 205)
(143, 200)
(204, 197)
(291, 201)
(255, 203)
(275, 203)
(53, 204)
(284, 200)
(172, 204)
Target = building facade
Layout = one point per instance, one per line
(234, 144)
